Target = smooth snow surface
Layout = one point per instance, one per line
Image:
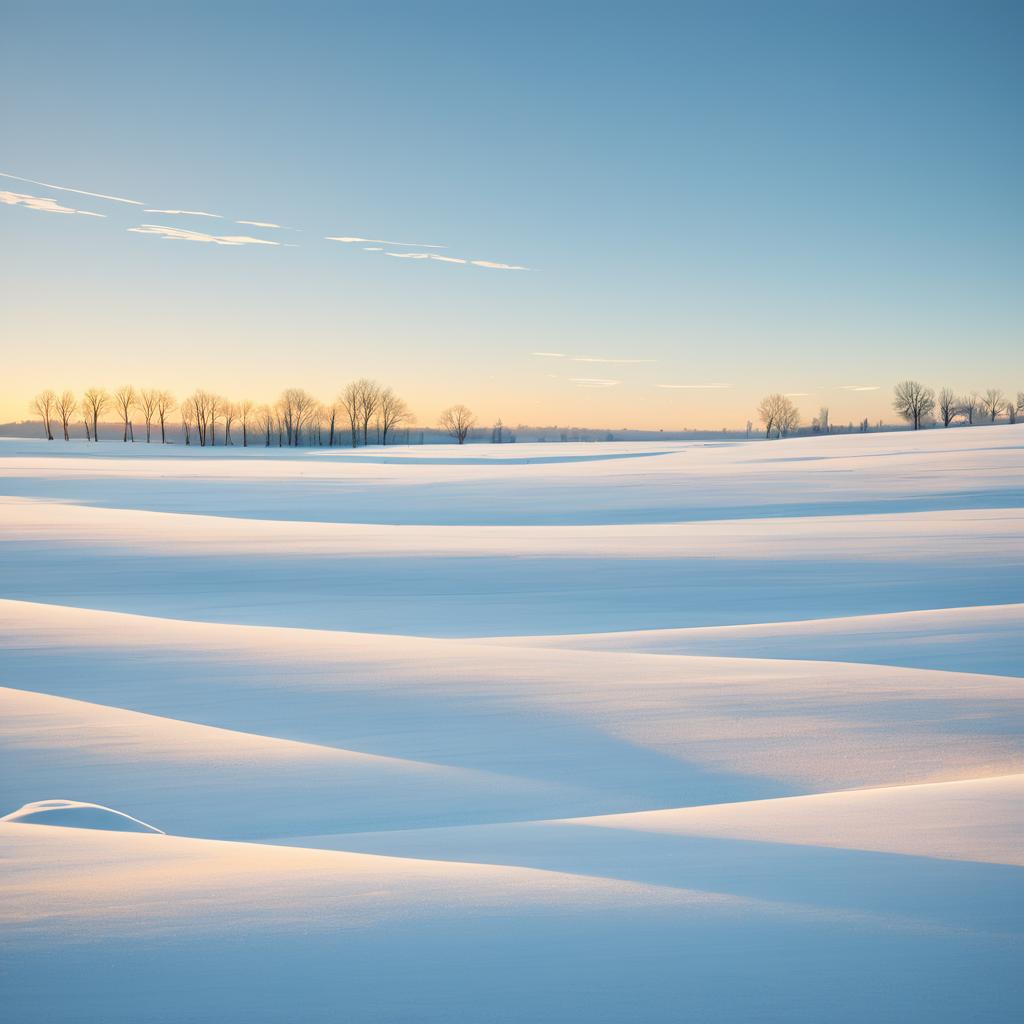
(600, 732)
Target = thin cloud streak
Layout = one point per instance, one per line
(601, 359)
(185, 235)
(859, 387)
(550, 355)
(260, 224)
(497, 266)
(594, 382)
(44, 204)
(79, 191)
(381, 241)
(186, 213)
(451, 259)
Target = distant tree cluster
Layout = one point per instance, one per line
(917, 404)
(364, 412)
(914, 403)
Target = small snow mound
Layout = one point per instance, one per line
(75, 814)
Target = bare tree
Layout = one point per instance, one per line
(66, 406)
(823, 419)
(391, 413)
(348, 400)
(778, 414)
(993, 403)
(295, 406)
(189, 419)
(264, 423)
(457, 421)
(369, 400)
(124, 401)
(1012, 410)
(246, 416)
(331, 414)
(164, 406)
(914, 402)
(218, 407)
(969, 407)
(229, 411)
(147, 402)
(949, 406)
(44, 404)
(94, 402)
(203, 408)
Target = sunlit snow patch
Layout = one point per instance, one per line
(75, 814)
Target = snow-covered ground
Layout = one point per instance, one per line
(604, 732)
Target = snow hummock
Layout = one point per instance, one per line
(77, 814)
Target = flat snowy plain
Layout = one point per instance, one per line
(605, 732)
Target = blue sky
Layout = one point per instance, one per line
(774, 197)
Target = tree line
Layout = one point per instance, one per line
(912, 401)
(364, 412)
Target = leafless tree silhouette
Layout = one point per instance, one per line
(369, 399)
(44, 404)
(66, 406)
(914, 402)
(165, 405)
(295, 406)
(348, 400)
(124, 402)
(229, 412)
(993, 403)
(949, 406)
(94, 402)
(392, 412)
(778, 414)
(246, 416)
(203, 407)
(457, 421)
(189, 419)
(969, 407)
(146, 403)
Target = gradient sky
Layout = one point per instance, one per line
(795, 197)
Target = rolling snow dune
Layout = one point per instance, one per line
(482, 581)
(596, 732)
(633, 726)
(398, 938)
(981, 639)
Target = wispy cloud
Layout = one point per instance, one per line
(550, 355)
(497, 266)
(380, 241)
(185, 235)
(859, 387)
(186, 213)
(79, 191)
(450, 259)
(44, 204)
(602, 359)
(594, 382)
(694, 387)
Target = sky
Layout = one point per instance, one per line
(632, 215)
